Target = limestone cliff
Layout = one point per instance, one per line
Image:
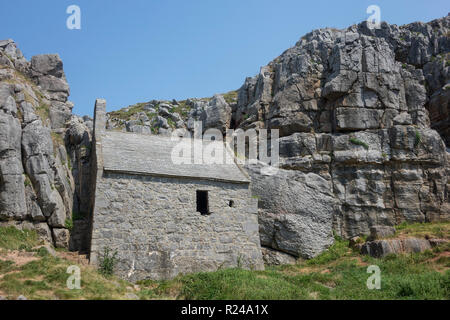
(353, 108)
(37, 189)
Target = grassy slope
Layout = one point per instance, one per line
(44, 276)
(423, 230)
(338, 273)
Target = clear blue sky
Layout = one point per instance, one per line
(137, 50)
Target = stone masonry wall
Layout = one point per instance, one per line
(153, 224)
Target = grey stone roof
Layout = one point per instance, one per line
(152, 155)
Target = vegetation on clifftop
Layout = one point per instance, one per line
(182, 107)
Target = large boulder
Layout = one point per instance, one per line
(48, 64)
(61, 238)
(217, 114)
(382, 248)
(296, 211)
(275, 258)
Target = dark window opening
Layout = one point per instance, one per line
(231, 204)
(202, 202)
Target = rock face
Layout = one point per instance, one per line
(163, 117)
(382, 248)
(378, 232)
(275, 258)
(79, 140)
(296, 211)
(36, 185)
(217, 114)
(353, 108)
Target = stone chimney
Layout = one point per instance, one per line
(97, 165)
(99, 118)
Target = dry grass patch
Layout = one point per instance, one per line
(440, 230)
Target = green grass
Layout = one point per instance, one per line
(418, 139)
(397, 274)
(69, 224)
(338, 250)
(171, 123)
(240, 284)
(126, 115)
(424, 230)
(338, 273)
(6, 266)
(359, 143)
(46, 279)
(182, 109)
(69, 162)
(341, 275)
(231, 97)
(43, 111)
(27, 181)
(14, 239)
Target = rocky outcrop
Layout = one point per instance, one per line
(276, 258)
(217, 114)
(352, 107)
(382, 248)
(163, 117)
(36, 183)
(379, 232)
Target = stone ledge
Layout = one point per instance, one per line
(382, 248)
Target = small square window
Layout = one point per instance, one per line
(202, 202)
